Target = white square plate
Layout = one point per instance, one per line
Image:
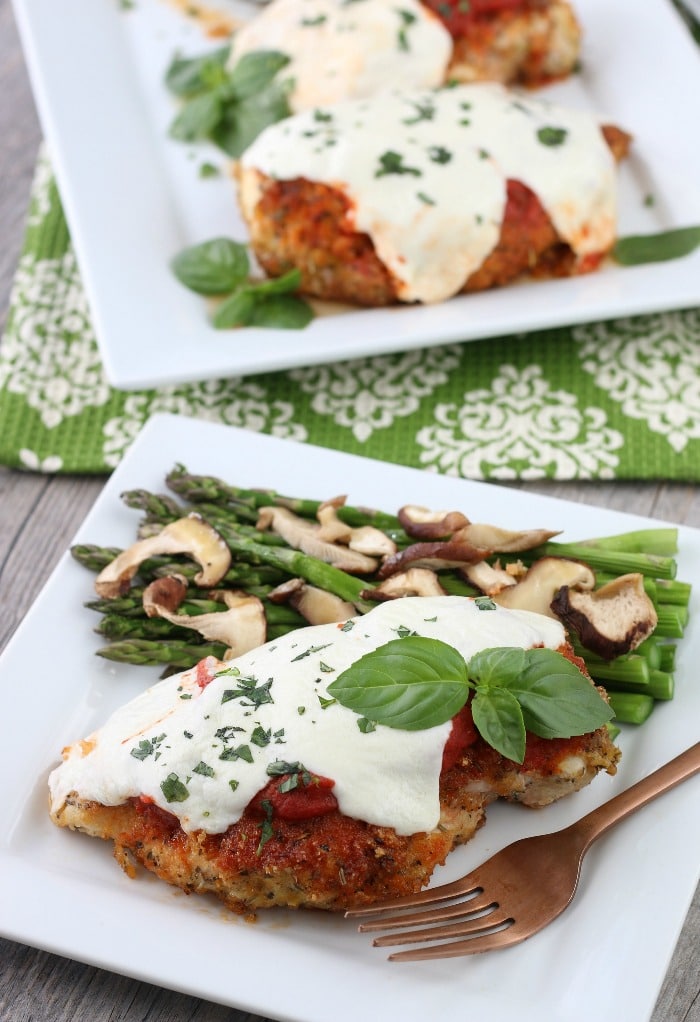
(134, 198)
(64, 892)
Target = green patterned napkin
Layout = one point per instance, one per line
(614, 400)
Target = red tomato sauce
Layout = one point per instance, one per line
(301, 803)
(459, 16)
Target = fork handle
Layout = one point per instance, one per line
(590, 827)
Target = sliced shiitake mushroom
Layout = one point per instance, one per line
(365, 539)
(489, 578)
(422, 523)
(190, 535)
(413, 582)
(450, 553)
(316, 605)
(503, 541)
(612, 620)
(536, 590)
(241, 627)
(303, 535)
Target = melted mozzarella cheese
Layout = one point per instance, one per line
(203, 738)
(343, 50)
(426, 175)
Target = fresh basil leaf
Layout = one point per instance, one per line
(186, 76)
(287, 282)
(656, 248)
(499, 720)
(411, 684)
(198, 118)
(285, 312)
(254, 72)
(496, 665)
(240, 123)
(557, 700)
(212, 267)
(235, 310)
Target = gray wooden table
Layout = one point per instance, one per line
(38, 517)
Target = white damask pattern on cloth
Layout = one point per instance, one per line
(49, 354)
(235, 402)
(520, 429)
(654, 375)
(369, 394)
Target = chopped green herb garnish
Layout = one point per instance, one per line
(239, 752)
(552, 136)
(438, 154)
(310, 651)
(392, 163)
(250, 693)
(260, 737)
(173, 789)
(204, 769)
(266, 831)
(425, 111)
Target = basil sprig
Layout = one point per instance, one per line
(656, 248)
(221, 267)
(228, 107)
(414, 683)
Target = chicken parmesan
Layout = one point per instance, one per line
(339, 50)
(415, 197)
(246, 780)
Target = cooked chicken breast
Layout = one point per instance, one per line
(510, 41)
(422, 196)
(376, 45)
(188, 781)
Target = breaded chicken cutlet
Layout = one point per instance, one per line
(516, 42)
(243, 780)
(337, 51)
(418, 197)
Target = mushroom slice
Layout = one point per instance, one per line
(488, 578)
(331, 528)
(166, 593)
(543, 581)
(316, 605)
(368, 539)
(612, 620)
(190, 535)
(241, 627)
(303, 535)
(451, 553)
(503, 541)
(413, 582)
(422, 523)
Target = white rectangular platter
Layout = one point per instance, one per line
(134, 197)
(65, 893)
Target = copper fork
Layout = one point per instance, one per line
(520, 889)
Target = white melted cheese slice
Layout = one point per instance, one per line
(179, 737)
(349, 49)
(426, 175)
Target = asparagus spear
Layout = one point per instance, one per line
(175, 653)
(607, 560)
(209, 489)
(151, 652)
(158, 507)
(631, 707)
